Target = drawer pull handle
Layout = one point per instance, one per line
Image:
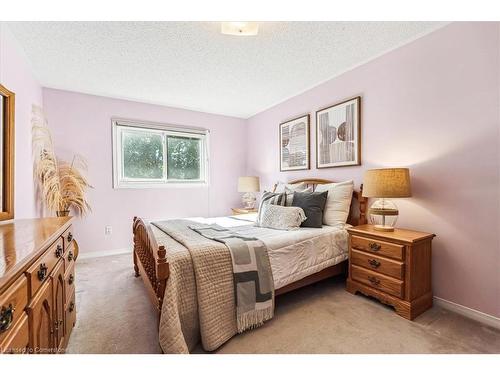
(57, 324)
(374, 246)
(6, 317)
(71, 306)
(70, 256)
(42, 272)
(374, 263)
(373, 280)
(70, 237)
(71, 279)
(59, 251)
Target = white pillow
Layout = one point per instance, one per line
(281, 217)
(338, 201)
(281, 187)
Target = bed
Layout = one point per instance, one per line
(297, 258)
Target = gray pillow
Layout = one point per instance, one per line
(313, 205)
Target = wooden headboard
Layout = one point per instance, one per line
(357, 213)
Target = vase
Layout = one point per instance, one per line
(62, 213)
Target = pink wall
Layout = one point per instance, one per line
(16, 75)
(82, 124)
(432, 105)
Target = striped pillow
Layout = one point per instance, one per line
(280, 199)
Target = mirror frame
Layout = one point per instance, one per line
(8, 97)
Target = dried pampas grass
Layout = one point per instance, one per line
(61, 184)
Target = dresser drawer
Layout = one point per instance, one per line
(377, 247)
(379, 264)
(12, 304)
(69, 256)
(70, 314)
(67, 237)
(378, 281)
(44, 265)
(17, 341)
(69, 278)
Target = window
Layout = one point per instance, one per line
(155, 155)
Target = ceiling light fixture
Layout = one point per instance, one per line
(239, 28)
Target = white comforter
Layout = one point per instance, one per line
(293, 254)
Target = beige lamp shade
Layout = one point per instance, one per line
(248, 184)
(387, 183)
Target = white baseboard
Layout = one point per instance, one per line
(104, 253)
(476, 315)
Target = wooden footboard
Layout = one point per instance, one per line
(150, 261)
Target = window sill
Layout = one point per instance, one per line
(171, 185)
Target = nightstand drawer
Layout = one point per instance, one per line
(377, 247)
(378, 281)
(383, 265)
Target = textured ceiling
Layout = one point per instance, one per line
(192, 65)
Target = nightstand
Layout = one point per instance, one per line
(241, 211)
(393, 267)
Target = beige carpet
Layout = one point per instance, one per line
(114, 315)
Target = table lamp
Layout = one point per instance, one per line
(248, 185)
(382, 184)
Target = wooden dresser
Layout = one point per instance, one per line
(393, 267)
(37, 285)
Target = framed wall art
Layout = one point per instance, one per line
(338, 134)
(294, 144)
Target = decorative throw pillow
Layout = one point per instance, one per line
(281, 187)
(281, 217)
(306, 190)
(338, 202)
(279, 199)
(313, 205)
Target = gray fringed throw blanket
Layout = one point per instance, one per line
(200, 295)
(253, 280)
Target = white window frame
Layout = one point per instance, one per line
(119, 181)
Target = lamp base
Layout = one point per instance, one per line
(383, 215)
(248, 200)
(383, 228)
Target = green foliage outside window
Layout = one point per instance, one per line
(142, 155)
(183, 158)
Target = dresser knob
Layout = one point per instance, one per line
(6, 317)
(70, 237)
(71, 306)
(59, 251)
(374, 246)
(42, 272)
(71, 279)
(374, 263)
(373, 280)
(57, 324)
(70, 256)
